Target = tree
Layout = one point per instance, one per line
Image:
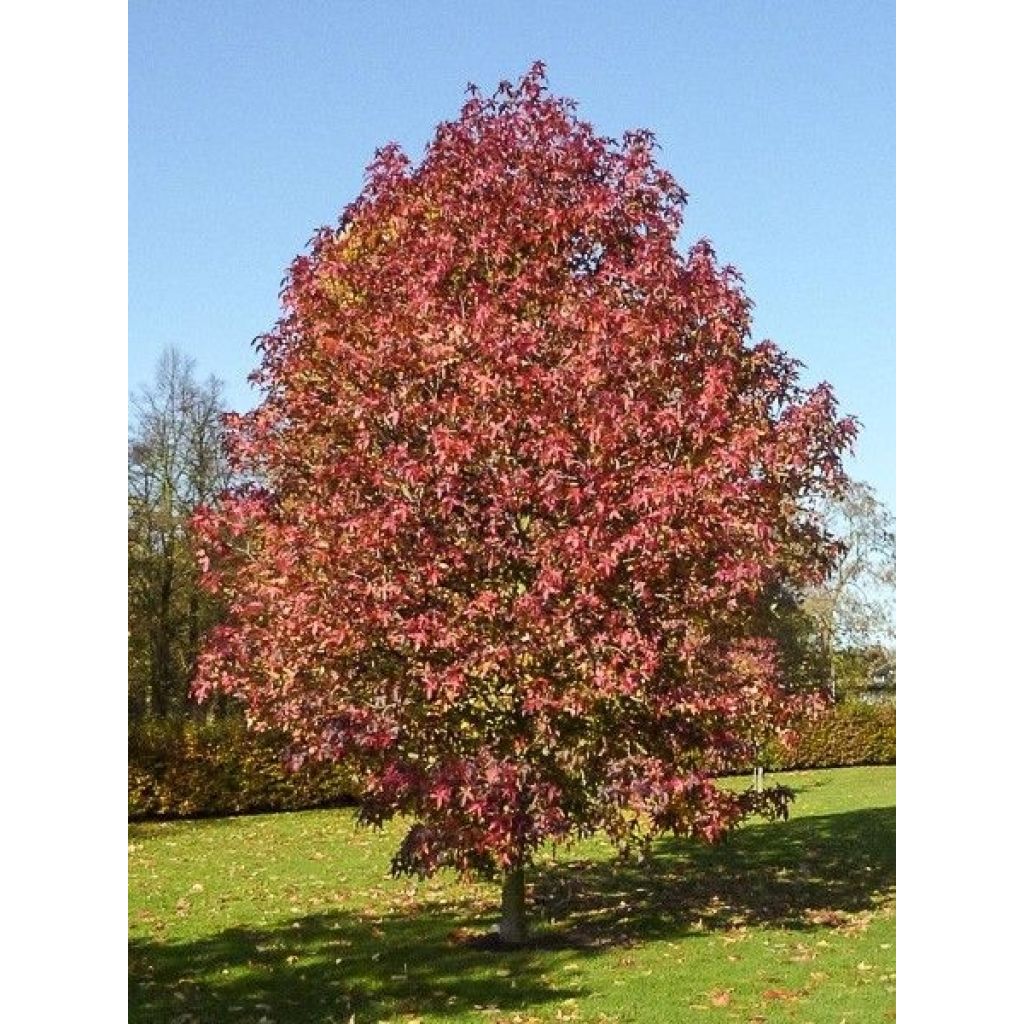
(853, 607)
(525, 487)
(176, 463)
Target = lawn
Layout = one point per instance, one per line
(293, 918)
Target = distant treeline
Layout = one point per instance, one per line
(176, 462)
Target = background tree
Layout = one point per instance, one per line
(526, 487)
(176, 463)
(794, 632)
(853, 608)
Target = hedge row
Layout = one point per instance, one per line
(186, 769)
(849, 734)
(192, 769)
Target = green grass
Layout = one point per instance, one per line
(293, 918)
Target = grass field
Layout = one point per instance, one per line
(292, 918)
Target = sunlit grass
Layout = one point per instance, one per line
(293, 918)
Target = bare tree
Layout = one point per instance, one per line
(176, 463)
(855, 608)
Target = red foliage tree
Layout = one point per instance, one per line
(525, 486)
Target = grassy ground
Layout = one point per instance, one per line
(292, 918)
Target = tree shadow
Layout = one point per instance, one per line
(332, 966)
(799, 874)
(807, 873)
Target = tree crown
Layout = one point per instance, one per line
(525, 486)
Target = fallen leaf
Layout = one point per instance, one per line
(780, 994)
(829, 918)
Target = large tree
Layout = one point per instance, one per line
(526, 486)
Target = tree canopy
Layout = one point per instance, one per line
(525, 483)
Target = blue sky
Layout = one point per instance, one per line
(250, 124)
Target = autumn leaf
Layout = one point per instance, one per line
(780, 994)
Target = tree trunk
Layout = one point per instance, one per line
(512, 929)
(163, 640)
(157, 681)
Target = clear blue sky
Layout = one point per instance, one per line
(250, 124)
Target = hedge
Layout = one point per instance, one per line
(197, 769)
(848, 734)
(192, 769)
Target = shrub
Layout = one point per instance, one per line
(185, 769)
(848, 734)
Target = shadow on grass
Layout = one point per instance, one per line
(331, 966)
(798, 874)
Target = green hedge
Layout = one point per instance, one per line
(191, 769)
(848, 734)
(185, 769)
